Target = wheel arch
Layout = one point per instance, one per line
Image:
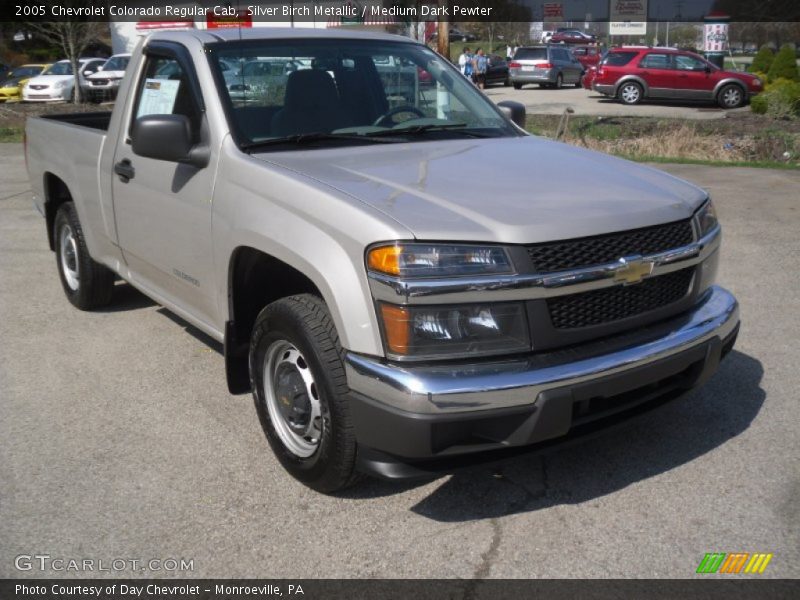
(728, 81)
(255, 279)
(56, 193)
(636, 79)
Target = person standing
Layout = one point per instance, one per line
(465, 63)
(480, 64)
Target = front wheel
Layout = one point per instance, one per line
(87, 284)
(517, 86)
(300, 391)
(730, 96)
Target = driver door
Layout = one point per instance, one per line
(163, 210)
(693, 78)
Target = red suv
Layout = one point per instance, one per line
(633, 74)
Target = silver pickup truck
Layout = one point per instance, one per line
(390, 268)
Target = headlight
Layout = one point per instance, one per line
(454, 331)
(757, 82)
(60, 84)
(427, 260)
(706, 218)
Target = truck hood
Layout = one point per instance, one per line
(511, 190)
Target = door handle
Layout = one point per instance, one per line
(125, 170)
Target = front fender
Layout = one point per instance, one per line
(310, 227)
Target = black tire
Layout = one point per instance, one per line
(507, 81)
(579, 83)
(559, 82)
(630, 93)
(304, 323)
(91, 284)
(517, 86)
(731, 96)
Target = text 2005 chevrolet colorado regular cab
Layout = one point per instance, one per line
(371, 239)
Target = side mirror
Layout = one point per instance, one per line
(167, 137)
(514, 111)
(707, 69)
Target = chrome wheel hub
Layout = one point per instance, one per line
(292, 399)
(69, 257)
(630, 93)
(732, 97)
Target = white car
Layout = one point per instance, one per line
(103, 84)
(57, 81)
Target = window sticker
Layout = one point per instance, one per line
(158, 97)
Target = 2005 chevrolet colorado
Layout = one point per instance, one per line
(369, 237)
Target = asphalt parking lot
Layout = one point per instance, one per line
(118, 439)
(584, 102)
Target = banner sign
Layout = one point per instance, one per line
(553, 12)
(715, 36)
(627, 17)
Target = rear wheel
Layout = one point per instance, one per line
(517, 86)
(730, 96)
(300, 391)
(559, 81)
(87, 284)
(630, 93)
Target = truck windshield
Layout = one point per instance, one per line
(298, 89)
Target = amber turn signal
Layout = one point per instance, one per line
(385, 259)
(396, 327)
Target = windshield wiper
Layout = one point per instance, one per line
(428, 127)
(306, 138)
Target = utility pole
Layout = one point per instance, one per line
(443, 35)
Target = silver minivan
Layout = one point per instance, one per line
(549, 66)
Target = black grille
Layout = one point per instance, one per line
(585, 252)
(612, 304)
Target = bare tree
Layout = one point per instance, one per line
(72, 37)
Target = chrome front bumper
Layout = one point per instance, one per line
(487, 385)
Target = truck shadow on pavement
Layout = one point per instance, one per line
(654, 443)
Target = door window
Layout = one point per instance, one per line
(684, 62)
(164, 90)
(656, 61)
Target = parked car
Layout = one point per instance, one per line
(456, 35)
(497, 71)
(588, 56)
(396, 285)
(572, 36)
(11, 87)
(103, 84)
(57, 81)
(633, 74)
(588, 77)
(547, 36)
(549, 66)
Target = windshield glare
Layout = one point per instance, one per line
(116, 63)
(60, 68)
(286, 88)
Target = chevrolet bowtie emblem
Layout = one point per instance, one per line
(633, 269)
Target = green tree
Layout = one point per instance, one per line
(784, 66)
(763, 60)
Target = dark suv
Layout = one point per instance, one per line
(633, 74)
(549, 66)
